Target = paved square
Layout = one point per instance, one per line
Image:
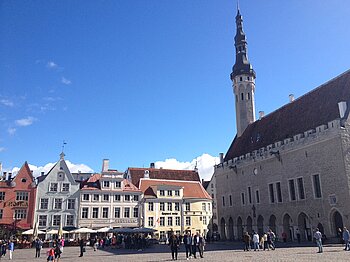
(214, 252)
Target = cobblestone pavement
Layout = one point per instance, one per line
(214, 252)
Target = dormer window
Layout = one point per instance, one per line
(170, 193)
(53, 187)
(24, 180)
(105, 183)
(161, 192)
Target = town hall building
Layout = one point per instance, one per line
(288, 170)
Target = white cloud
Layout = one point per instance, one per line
(65, 81)
(73, 168)
(25, 121)
(205, 164)
(51, 64)
(11, 130)
(2, 149)
(7, 102)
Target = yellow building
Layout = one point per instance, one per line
(175, 206)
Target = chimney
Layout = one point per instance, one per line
(261, 114)
(152, 165)
(42, 173)
(105, 165)
(202, 181)
(4, 176)
(342, 108)
(291, 98)
(9, 177)
(221, 156)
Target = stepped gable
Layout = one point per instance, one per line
(318, 107)
(168, 174)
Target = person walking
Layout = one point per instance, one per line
(193, 246)
(174, 244)
(11, 249)
(201, 246)
(81, 245)
(318, 237)
(298, 235)
(266, 244)
(187, 242)
(246, 240)
(346, 238)
(38, 247)
(51, 254)
(271, 239)
(256, 241)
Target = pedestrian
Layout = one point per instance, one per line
(62, 244)
(246, 240)
(198, 242)
(51, 254)
(256, 241)
(284, 237)
(174, 244)
(346, 238)
(11, 249)
(201, 246)
(187, 242)
(318, 237)
(3, 249)
(38, 247)
(193, 246)
(81, 245)
(57, 253)
(271, 239)
(266, 244)
(298, 235)
(262, 242)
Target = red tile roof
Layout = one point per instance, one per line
(93, 183)
(168, 174)
(191, 189)
(318, 107)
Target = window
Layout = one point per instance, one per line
(230, 199)
(250, 195)
(151, 222)
(56, 221)
(150, 206)
(20, 214)
(223, 200)
(208, 206)
(127, 212)
(65, 187)
(170, 193)
(292, 194)
(116, 197)
(86, 197)
(162, 221)
(170, 207)
(105, 197)
(127, 198)
(317, 186)
(71, 203)
(105, 212)
(272, 193)
(70, 220)
(170, 221)
(118, 184)
(105, 183)
(212, 185)
(177, 221)
(136, 198)
(240, 79)
(242, 199)
(188, 221)
(96, 197)
(279, 192)
(117, 212)
(136, 212)
(177, 192)
(42, 220)
(53, 187)
(161, 193)
(257, 196)
(301, 191)
(161, 206)
(44, 203)
(1, 213)
(21, 196)
(95, 212)
(57, 203)
(204, 207)
(2, 196)
(177, 206)
(84, 212)
(162, 235)
(204, 220)
(187, 207)
(242, 95)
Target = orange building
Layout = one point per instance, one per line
(17, 201)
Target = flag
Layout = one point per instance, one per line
(35, 230)
(60, 233)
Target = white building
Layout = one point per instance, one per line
(57, 198)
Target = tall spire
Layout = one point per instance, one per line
(242, 65)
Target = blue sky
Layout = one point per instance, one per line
(145, 81)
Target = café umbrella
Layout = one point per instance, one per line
(31, 232)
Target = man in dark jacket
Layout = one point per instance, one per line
(81, 245)
(174, 244)
(198, 240)
(38, 246)
(187, 242)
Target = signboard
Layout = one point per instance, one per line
(169, 214)
(126, 220)
(16, 204)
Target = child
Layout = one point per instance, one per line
(51, 254)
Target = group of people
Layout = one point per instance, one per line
(53, 253)
(264, 242)
(193, 243)
(6, 245)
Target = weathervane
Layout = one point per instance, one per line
(63, 144)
